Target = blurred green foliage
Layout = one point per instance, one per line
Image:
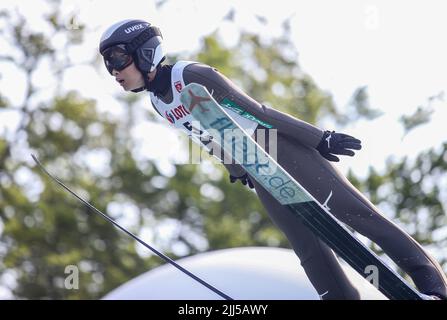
(43, 229)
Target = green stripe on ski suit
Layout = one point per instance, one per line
(231, 105)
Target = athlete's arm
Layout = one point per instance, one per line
(327, 143)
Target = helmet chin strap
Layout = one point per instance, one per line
(138, 90)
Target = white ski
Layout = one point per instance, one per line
(267, 172)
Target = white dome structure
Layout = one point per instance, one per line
(251, 273)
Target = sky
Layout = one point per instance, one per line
(397, 49)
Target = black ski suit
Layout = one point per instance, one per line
(296, 153)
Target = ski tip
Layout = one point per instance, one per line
(36, 160)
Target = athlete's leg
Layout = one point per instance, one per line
(331, 188)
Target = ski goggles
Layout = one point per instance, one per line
(117, 58)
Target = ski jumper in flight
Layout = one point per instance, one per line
(133, 54)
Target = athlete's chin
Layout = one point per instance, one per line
(130, 88)
(126, 88)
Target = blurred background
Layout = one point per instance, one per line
(373, 69)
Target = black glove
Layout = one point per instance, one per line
(337, 143)
(244, 179)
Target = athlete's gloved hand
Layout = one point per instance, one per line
(244, 179)
(337, 143)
